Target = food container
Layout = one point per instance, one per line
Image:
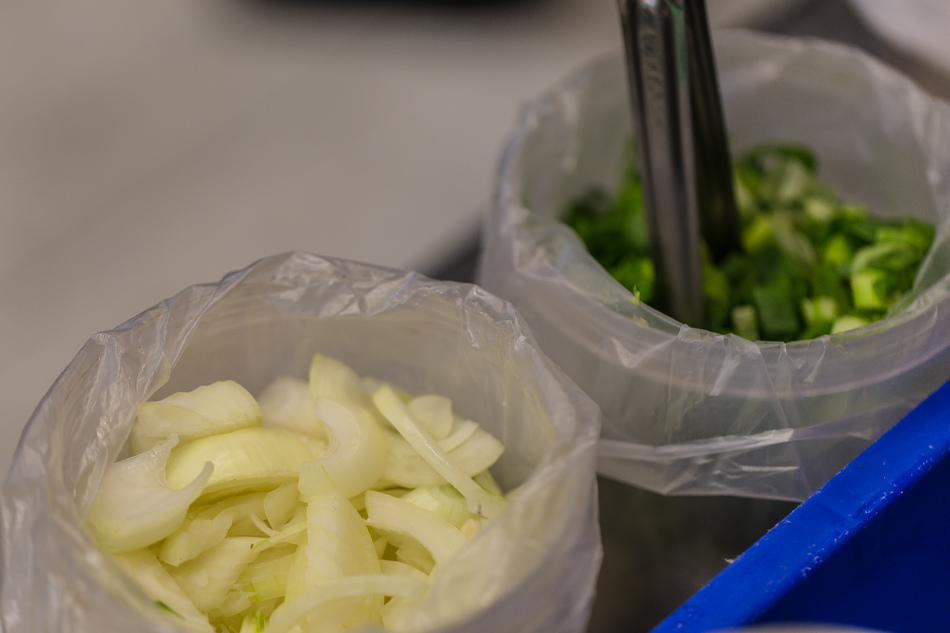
(869, 549)
(688, 411)
(532, 569)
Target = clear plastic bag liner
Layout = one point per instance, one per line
(688, 411)
(532, 569)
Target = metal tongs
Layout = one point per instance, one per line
(683, 152)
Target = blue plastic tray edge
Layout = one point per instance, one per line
(823, 524)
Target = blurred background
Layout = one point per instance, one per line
(145, 147)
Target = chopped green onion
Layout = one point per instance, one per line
(798, 240)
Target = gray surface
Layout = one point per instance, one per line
(147, 147)
(151, 146)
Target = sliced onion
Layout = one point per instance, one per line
(208, 410)
(247, 459)
(136, 506)
(437, 535)
(479, 500)
(356, 457)
(288, 615)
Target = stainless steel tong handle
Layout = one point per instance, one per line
(718, 215)
(685, 168)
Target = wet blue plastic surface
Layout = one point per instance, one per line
(871, 548)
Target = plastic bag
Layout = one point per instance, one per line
(687, 411)
(532, 569)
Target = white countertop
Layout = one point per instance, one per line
(146, 147)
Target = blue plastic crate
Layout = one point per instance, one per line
(871, 548)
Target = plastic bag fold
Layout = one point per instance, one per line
(533, 569)
(687, 411)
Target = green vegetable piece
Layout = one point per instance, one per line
(792, 242)
(837, 250)
(828, 280)
(820, 314)
(914, 233)
(892, 256)
(872, 289)
(854, 222)
(775, 306)
(164, 607)
(798, 239)
(852, 211)
(795, 152)
(718, 296)
(745, 183)
(745, 322)
(819, 209)
(819, 309)
(848, 322)
(787, 182)
(638, 276)
(758, 234)
(630, 206)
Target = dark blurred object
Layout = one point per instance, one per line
(462, 267)
(659, 551)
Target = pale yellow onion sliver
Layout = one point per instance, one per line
(412, 552)
(338, 542)
(208, 528)
(157, 583)
(338, 545)
(398, 610)
(265, 578)
(208, 578)
(288, 532)
(399, 568)
(253, 623)
(286, 403)
(280, 503)
(479, 500)
(443, 500)
(247, 459)
(437, 535)
(331, 378)
(473, 457)
(220, 407)
(463, 431)
(297, 576)
(357, 453)
(286, 616)
(434, 413)
(136, 506)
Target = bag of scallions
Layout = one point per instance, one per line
(688, 410)
(310, 445)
